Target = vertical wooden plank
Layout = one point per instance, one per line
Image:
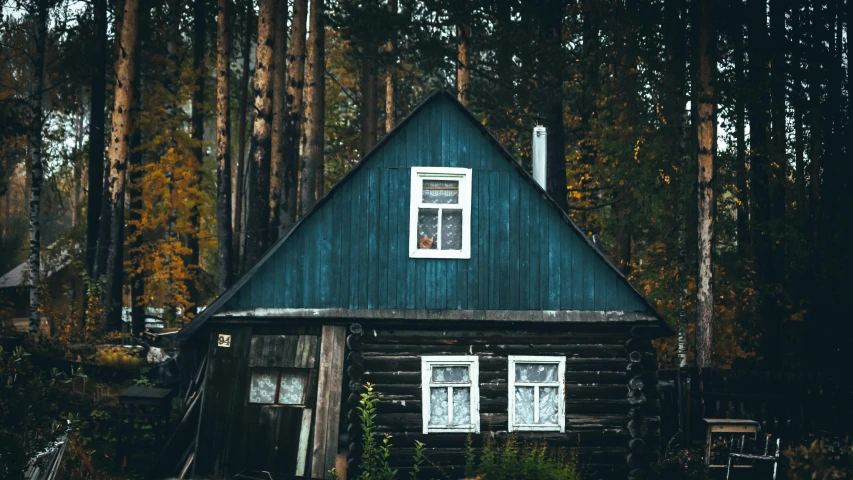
(484, 252)
(368, 215)
(370, 290)
(566, 254)
(576, 277)
(382, 234)
(534, 239)
(503, 220)
(304, 434)
(524, 240)
(544, 270)
(356, 217)
(344, 213)
(494, 244)
(471, 273)
(515, 232)
(392, 278)
(414, 157)
(554, 263)
(327, 235)
(288, 272)
(328, 409)
(600, 284)
(588, 276)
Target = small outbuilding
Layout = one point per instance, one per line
(439, 270)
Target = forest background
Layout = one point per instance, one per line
(169, 155)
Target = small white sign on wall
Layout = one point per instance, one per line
(224, 341)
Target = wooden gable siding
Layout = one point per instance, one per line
(353, 252)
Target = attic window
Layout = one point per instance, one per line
(440, 223)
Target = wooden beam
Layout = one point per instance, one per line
(328, 412)
(583, 316)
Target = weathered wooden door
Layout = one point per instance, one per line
(280, 402)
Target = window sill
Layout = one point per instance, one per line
(537, 428)
(451, 254)
(457, 429)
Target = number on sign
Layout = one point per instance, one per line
(224, 341)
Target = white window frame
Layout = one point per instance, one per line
(419, 174)
(561, 394)
(473, 364)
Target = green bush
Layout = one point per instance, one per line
(511, 459)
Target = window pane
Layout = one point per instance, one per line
(523, 405)
(438, 406)
(548, 406)
(441, 191)
(461, 406)
(262, 388)
(451, 229)
(535, 372)
(427, 228)
(292, 391)
(450, 374)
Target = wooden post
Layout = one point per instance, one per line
(356, 361)
(327, 418)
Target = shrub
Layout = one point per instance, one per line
(821, 460)
(679, 463)
(511, 459)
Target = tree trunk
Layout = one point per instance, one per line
(551, 65)
(197, 120)
(135, 172)
(295, 83)
(257, 216)
(390, 105)
(742, 192)
(98, 64)
(816, 76)
(368, 85)
(463, 61)
(279, 121)
(760, 163)
(706, 139)
(118, 154)
(779, 162)
(239, 167)
(797, 104)
(223, 145)
(313, 163)
(34, 260)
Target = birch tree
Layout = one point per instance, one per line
(313, 163)
(706, 138)
(223, 144)
(40, 8)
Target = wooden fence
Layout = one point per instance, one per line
(792, 405)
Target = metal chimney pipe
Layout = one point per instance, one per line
(540, 157)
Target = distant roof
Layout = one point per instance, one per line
(20, 277)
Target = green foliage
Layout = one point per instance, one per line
(375, 456)
(511, 459)
(821, 460)
(31, 414)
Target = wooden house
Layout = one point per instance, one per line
(441, 272)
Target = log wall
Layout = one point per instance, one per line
(612, 413)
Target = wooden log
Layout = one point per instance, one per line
(356, 329)
(354, 342)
